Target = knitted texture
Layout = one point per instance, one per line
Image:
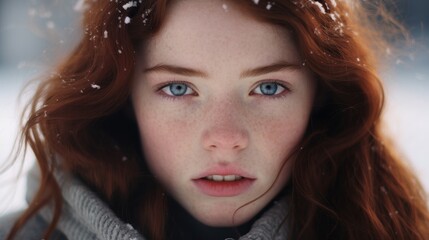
(271, 225)
(84, 216)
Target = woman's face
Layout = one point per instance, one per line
(221, 101)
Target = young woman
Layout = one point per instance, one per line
(204, 119)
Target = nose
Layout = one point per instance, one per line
(225, 128)
(225, 138)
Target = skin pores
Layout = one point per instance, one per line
(221, 102)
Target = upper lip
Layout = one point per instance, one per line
(224, 171)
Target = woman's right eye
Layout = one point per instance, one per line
(177, 89)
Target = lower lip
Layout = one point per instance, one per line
(224, 188)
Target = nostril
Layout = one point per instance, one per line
(225, 139)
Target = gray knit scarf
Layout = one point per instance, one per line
(85, 216)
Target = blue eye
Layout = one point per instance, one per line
(177, 89)
(269, 88)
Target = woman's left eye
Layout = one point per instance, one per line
(177, 89)
(269, 89)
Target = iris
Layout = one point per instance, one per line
(178, 89)
(268, 88)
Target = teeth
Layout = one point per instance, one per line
(226, 178)
(217, 178)
(229, 178)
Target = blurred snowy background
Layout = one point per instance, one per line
(34, 34)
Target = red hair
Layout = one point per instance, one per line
(346, 181)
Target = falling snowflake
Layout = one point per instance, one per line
(50, 25)
(129, 4)
(319, 5)
(95, 86)
(80, 6)
(225, 7)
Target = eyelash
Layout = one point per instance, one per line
(286, 89)
(164, 94)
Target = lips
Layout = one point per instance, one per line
(223, 182)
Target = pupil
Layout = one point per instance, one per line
(178, 89)
(269, 88)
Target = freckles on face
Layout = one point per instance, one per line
(221, 102)
(164, 131)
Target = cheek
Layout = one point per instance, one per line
(281, 134)
(163, 139)
(278, 140)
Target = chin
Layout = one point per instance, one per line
(223, 222)
(224, 218)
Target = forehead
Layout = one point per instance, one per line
(218, 31)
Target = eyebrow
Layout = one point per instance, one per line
(269, 68)
(275, 67)
(176, 69)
